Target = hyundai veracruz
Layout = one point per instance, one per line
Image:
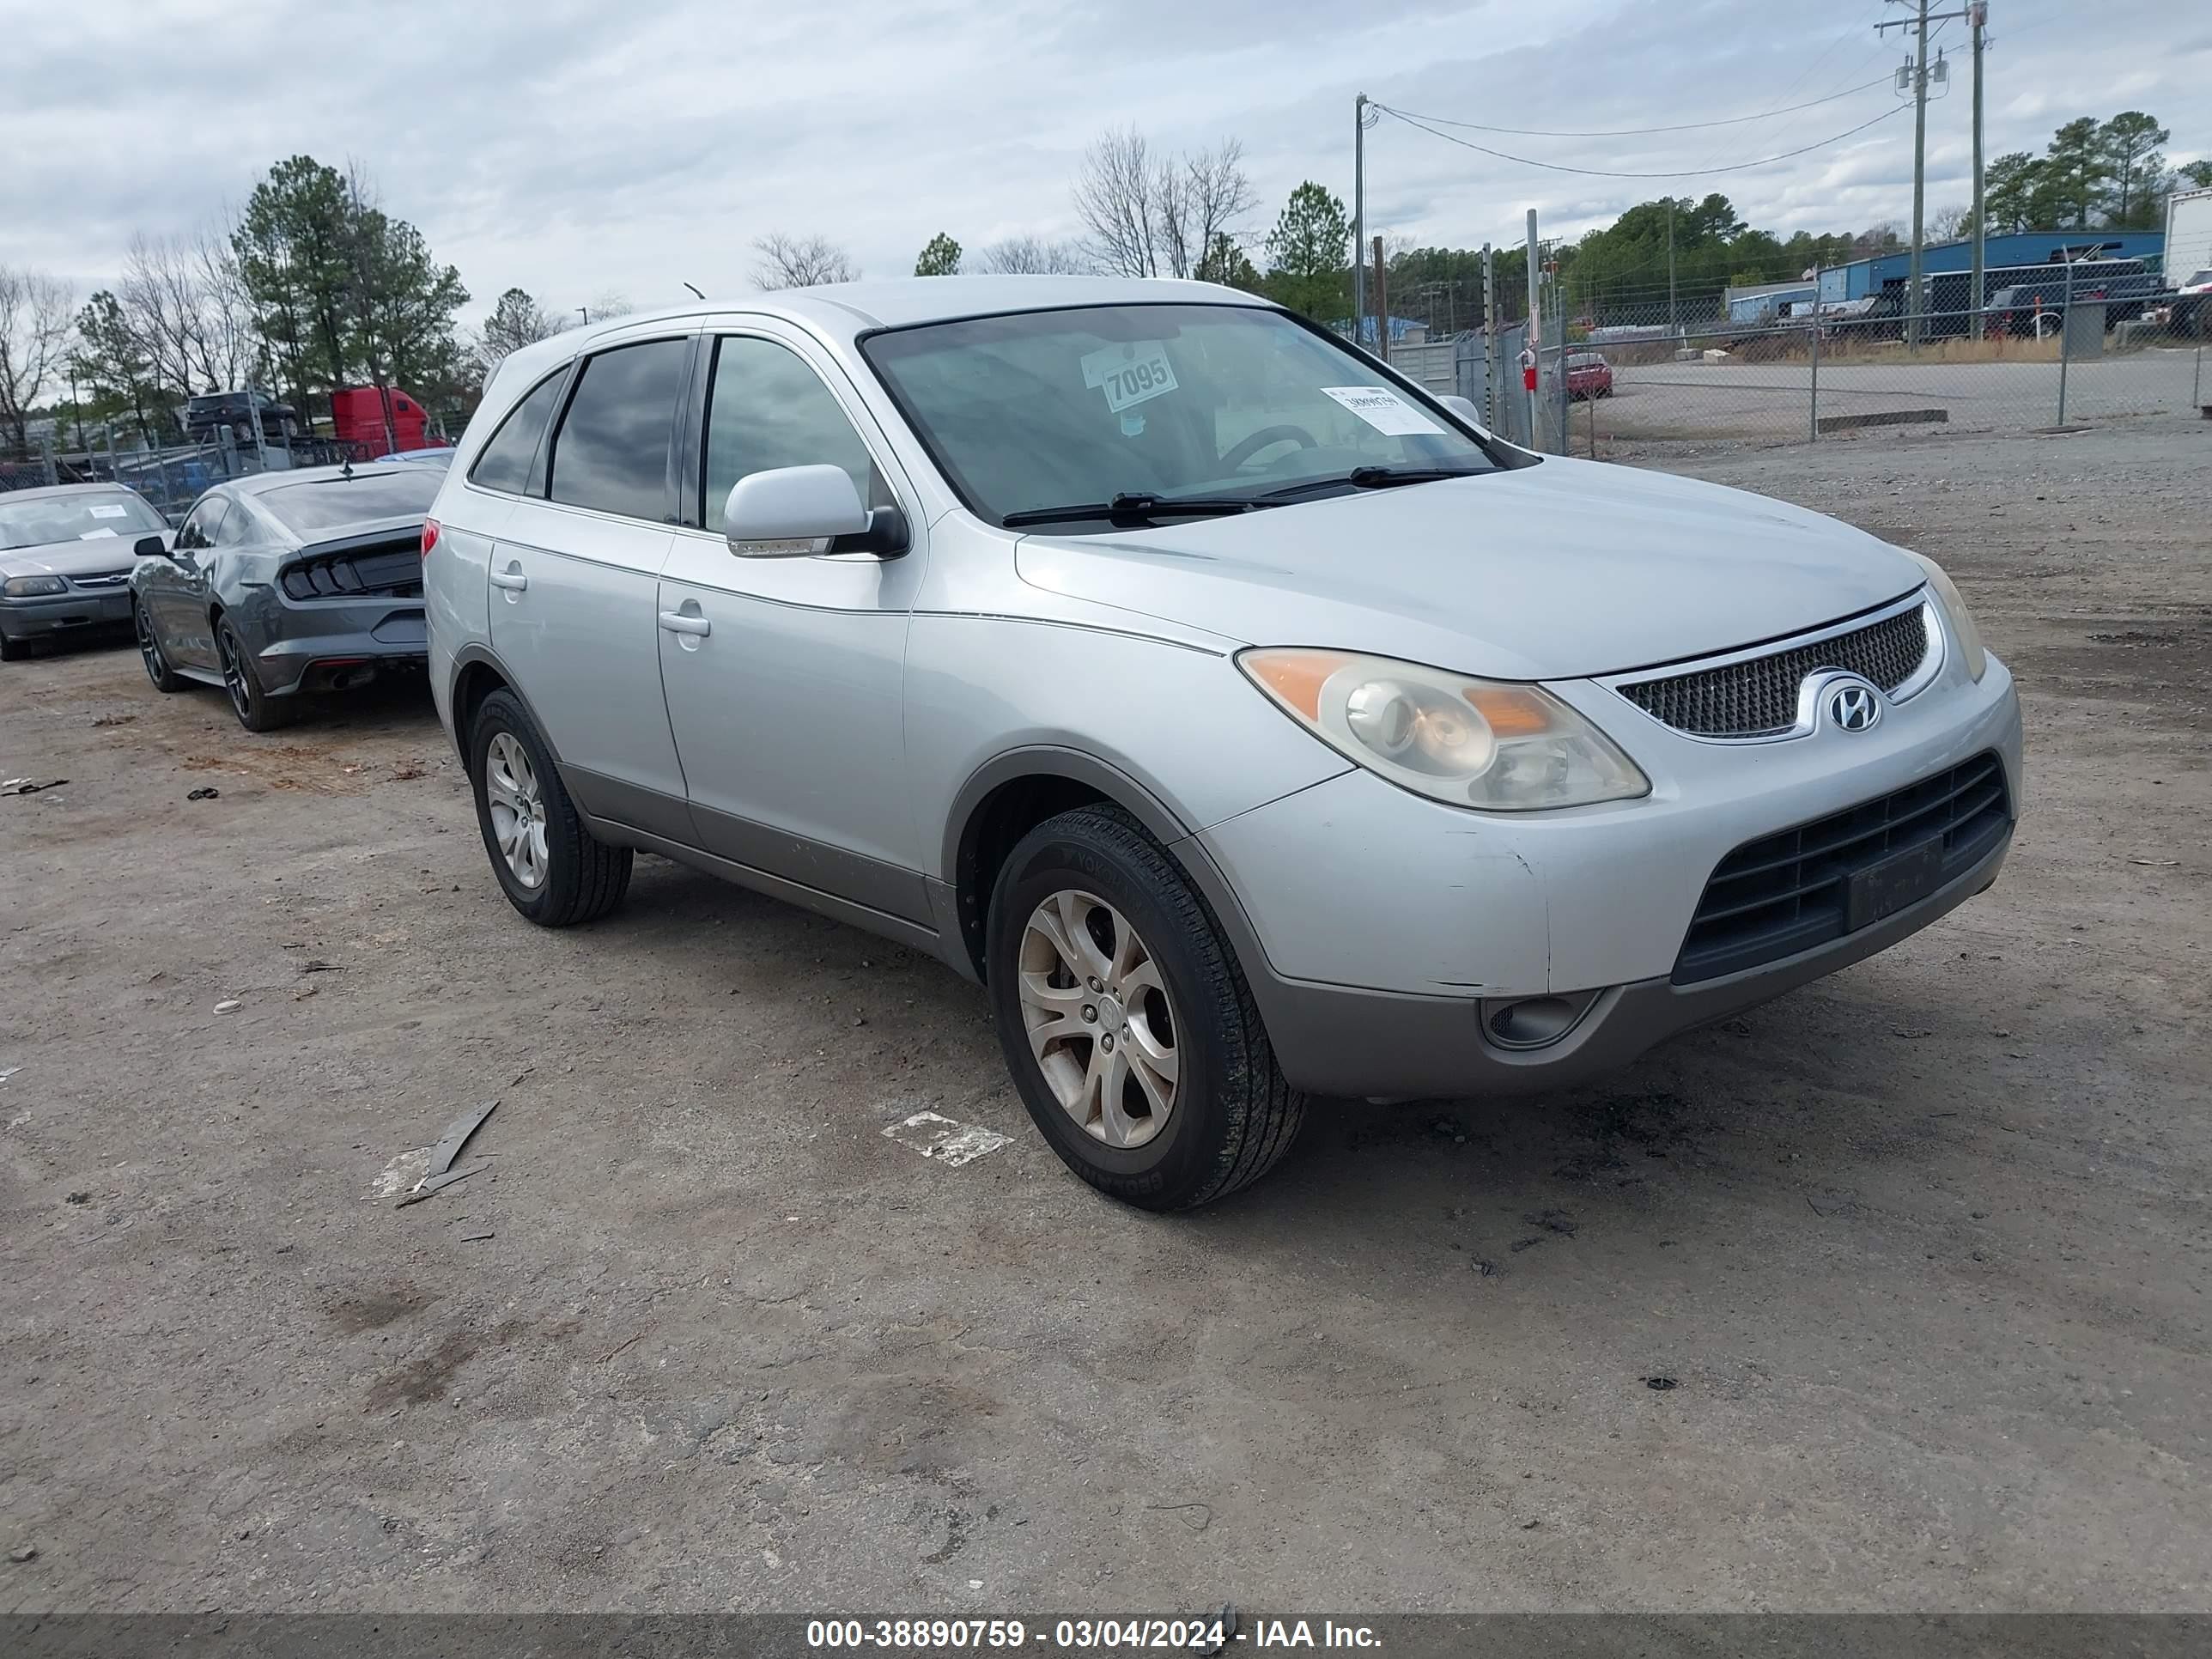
(1251, 724)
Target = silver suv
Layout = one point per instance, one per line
(1247, 721)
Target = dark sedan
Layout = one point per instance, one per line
(65, 561)
(286, 584)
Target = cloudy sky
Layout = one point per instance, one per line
(573, 148)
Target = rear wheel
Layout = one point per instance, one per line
(548, 863)
(1126, 1021)
(165, 677)
(256, 709)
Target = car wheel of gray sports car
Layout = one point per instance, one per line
(1126, 1021)
(550, 867)
(256, 709)
(165, 677)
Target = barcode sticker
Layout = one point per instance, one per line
(1383, 410)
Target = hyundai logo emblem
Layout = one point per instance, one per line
(1853, 705)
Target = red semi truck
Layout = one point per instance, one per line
(357, 416)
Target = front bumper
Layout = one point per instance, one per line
(1379, 923)
(80, 610)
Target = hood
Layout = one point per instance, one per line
(96, 557)
(1556, 571)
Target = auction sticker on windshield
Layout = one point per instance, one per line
(1129, 373)
(1383, 410)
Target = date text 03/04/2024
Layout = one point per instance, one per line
(1199, 1636)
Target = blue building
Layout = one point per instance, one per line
(1862, 277)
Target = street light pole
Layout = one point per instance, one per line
(1978, 12)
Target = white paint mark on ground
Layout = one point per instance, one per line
(401, 1174)
(8, 1073)
(941, 1139)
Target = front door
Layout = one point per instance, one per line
(177, 594)
(784, 676)
(573, 575)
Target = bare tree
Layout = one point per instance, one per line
(1116, 195)
(188, 312)
(36, 313)
(1157, 215)
(1949, 224)
(800, 262)
(1034, 256)
(608, 304)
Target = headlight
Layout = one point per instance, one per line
(1503, 748)
(1954, 608)
(31, 587)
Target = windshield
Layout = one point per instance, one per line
(94, 516)
(310, 506)
(1056, 408)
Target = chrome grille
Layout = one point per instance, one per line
(105, 579)
(1758, 698)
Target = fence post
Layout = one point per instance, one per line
(2065, 340)
(1567, 429)
(1813, 417)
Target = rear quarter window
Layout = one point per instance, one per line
(505, 464)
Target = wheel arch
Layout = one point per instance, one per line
(1014, 792)
(477, 674)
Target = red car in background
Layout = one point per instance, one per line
(1589, 375)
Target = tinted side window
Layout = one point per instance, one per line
(612, 450)
(505, 462)
(237, 527)
(767, 409)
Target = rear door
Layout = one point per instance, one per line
(575, 573)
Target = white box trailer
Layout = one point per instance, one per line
(2188, 235)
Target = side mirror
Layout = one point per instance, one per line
(149, 547)
(1463, 407)
(792, 513)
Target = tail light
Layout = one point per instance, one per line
(429, 535)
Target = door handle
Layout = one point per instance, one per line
(512, 580)
(676, 622)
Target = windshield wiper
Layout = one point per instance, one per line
(1138, 504)
(1378, 477)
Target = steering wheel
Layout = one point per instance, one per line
(1247, 447)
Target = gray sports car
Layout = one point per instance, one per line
(288, 583)
(65, 561)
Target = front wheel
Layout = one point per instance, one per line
(165, 677)
(13, 650)
(548, 863)
(1127, 1023)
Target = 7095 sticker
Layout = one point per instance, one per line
(1129, 373)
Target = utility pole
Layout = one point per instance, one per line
(1359, 125)
(1917, 73)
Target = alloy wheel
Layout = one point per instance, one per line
(1099, 1018)
(149, 646)
(518, 808)
(234, 673)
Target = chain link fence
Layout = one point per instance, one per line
(171, 476)
(1814, 372)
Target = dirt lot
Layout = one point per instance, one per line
(1922, 1248)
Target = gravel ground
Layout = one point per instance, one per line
(1889, 1295)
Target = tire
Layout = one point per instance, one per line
(13, 650)
(512, 774)
(256, 709)
(165, 677)
(1229, 1115)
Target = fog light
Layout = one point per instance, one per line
(1534, 1021)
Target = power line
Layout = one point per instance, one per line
(1637, 132)
(1612, 172)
